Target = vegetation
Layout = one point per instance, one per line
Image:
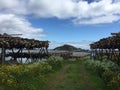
(23, 77)
(72, 78)
(106, 53)
(69, 48)
(75, 76)
(55, 62)
(106, 70)
(59, 74)
(27, 76)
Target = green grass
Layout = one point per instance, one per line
(73, 75)
(95, 80)
(72, 80)
(76, 77)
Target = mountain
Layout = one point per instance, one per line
(69, 48)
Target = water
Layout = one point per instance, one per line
(80, 53)
(37, 50)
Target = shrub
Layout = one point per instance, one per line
(107, 70)
(24, 77)
(55, 62)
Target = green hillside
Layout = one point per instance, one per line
(68, 48)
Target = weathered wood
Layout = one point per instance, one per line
(7, 42)
(109, 47)
(3, 55)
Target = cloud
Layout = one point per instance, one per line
(98, 20)
(81, 11)
(13, 6)
(82, 44)
(13, 21)
(12, 24)
(52, 8)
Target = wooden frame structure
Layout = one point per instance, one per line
(17, 47)
(65, 54)
(109, 47)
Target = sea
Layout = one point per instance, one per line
(37, 50)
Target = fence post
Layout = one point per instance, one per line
(3, 55)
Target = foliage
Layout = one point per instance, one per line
(70, 48)
(24, 77)
(107, 70)
(72, 77)
(66, 47)
(55, 62)
(28, 76)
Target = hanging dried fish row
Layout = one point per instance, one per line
(20, 45)
(107, 47)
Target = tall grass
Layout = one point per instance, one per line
(107, 70)
(27, 76)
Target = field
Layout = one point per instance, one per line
(74, 76)
(59, 74)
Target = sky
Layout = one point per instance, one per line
(75, 22)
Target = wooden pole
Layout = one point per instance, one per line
(21, 56)
(3, 55)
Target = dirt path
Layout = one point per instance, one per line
(85, 78)
(78, 80)
(56, 79)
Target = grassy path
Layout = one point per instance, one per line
(85, 78)
(73, 76)
(55, 80)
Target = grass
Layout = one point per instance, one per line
(72, 80)
(75, 77)
(24, 77)
(95, 81)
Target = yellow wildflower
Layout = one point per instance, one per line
(10, 82)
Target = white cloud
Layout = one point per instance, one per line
(12, 24)
(82, 44)
(13, 21)
(100, 11)
(81, 11)
(13, 6)
(52, 8)
(98, 20)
